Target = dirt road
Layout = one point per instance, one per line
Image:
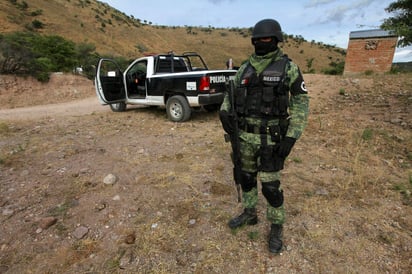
(74, 108)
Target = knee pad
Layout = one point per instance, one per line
(272, 193)
(248, 181)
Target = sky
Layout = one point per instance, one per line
(326, 21)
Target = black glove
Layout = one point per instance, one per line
(284, 147)
(227, 121)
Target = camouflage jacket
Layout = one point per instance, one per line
(299, 99)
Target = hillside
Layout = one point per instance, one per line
(115, 33)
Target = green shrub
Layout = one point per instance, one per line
(27, 53)
(367, 134)
(36, 13)
(336, 68)
(37, 24)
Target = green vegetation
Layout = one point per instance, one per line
(405, 189)
(336, 68)
(400, 24)
(367, 134)
(368, 72)
(253, 235)
(309, 65)
(297, 160)
(37, 24)
(26, 53)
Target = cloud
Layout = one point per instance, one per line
(350, 11)
(316, 3)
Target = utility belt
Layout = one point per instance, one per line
(276, 132)
(270, 161)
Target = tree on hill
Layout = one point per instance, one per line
(26, 53)
(401, 23)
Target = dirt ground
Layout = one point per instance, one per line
(87, 190)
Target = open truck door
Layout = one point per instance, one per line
(109, 82)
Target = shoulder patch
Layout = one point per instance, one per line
(303, 86)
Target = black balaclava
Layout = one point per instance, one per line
(263, 48)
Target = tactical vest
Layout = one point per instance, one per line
(266, 95)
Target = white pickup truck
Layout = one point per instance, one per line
(177, 82)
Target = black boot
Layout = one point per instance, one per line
(275, 238)
(249, 217)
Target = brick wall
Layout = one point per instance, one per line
(370, 54)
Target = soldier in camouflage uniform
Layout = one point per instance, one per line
(272, 106)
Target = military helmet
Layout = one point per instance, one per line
(267, 28)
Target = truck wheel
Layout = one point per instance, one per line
(178, 109)
(118, 107)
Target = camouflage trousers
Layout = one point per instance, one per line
(249, 150)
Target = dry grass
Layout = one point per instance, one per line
(348, 197)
